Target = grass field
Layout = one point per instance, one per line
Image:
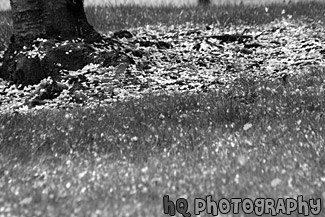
(236, 122)
(5, 4)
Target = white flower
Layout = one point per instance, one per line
(247, 126)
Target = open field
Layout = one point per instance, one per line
(230, 106)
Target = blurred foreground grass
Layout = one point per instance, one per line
(254, 139)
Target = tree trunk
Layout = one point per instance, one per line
(204, 2)
(39, 25)
(53, 18)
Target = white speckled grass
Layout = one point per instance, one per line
(122, 159)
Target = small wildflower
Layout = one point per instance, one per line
(247, 126)
(161, 116)
(275, 182)
(134, 139)
(144, 169)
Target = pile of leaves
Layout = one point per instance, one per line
(186, 58)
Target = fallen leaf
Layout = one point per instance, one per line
(26, 201)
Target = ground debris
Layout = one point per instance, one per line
(131, 63)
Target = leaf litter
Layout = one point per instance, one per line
(171, 59)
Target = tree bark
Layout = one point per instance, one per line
(204, 2)
(51, 18)
(53, 21)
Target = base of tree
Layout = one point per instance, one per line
(28, 61)
(38, 48)
(204, 2)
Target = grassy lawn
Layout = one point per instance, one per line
(257, 131)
